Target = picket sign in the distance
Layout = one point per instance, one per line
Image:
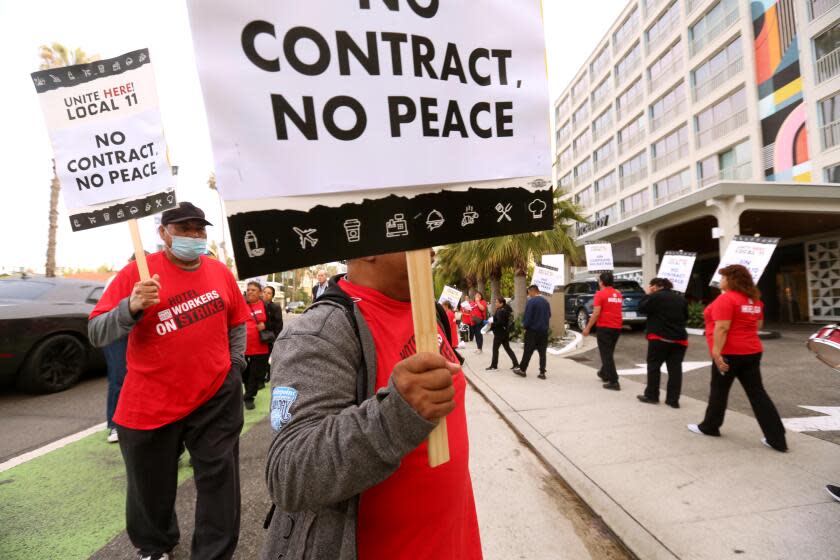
(546, 278)
(110, 155)
(752, 252)
(599, 257)
(347, 129)
(452, 295)
(676, 266)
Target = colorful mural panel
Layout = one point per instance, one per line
(781, 110)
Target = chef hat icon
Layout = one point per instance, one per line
(537, 208)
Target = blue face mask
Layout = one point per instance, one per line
(188, 248)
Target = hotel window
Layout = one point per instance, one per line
(582, 143)
(832, 174)
(635, 203)
(566, 180)
(605, 152)
(665, 67)
(581, 115)
(610, 212)
(628, 63)
(713, 23)
(585, 197)
(632, 170)
(583, 169)
(672, 186)
(627, 28)
(601, 92)
(566, 158)
(662, 26)
(721, 118)
(605, 186)
(719, 68)
(564, 132)
(671, 147)
(630, 98)
(579, 88)
(668, 105)
(732, 164)
(602, 123)
(601, 62)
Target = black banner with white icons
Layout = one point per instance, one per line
(124, 211)
(68, 76)
(267, 241)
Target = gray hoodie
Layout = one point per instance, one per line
(331, 443)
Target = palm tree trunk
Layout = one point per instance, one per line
(496, 286)
(55, 186)
(480, 286)
(520, 283)
(471, 285)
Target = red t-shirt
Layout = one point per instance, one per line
(466, 313)
(179, 351)
(453, 327)
(609, 300)
(417, 512)
(256, 314)
(744, 314)
(479, 314)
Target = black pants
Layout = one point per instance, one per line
(534, 340)
(607, 339)
(747, 369)
(479, 338)
(211, 434)
(672, 356)
(254, 374)
(501, 339)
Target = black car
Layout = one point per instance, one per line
(580, 295)
(44, 346)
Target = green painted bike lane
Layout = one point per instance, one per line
(71, 502)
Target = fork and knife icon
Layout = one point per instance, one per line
(504, 212)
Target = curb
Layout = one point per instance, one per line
(639, 542)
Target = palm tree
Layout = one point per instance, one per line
(488, 257)
(56, 56)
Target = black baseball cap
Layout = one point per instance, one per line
(185, 211)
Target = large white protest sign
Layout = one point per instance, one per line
(546, 279)
(752, 252)
(599, 257)
(343, 129)
(676, 266)
(452, 295)
(104, 123)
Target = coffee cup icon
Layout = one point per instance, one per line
(353, 228)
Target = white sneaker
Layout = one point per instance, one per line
(694, 428)
(764, 441)
(155, 556)
(112, 436)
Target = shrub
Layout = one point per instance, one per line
(695, 315)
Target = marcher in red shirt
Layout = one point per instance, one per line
(352, 405)
(479, 316)
(607, 316)
(466, 317)
(732, 324)
(256, 352)
(186, 340)
(453, 326)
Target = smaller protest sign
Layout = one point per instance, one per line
(676, 266)
(452, 295)
(105, 127)
(752, 252)
(557, 262)
(546, 278)
(599, 257)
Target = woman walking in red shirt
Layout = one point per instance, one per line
(732, 324)
(479, 316)
(256, 352)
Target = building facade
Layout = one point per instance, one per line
(694, 121)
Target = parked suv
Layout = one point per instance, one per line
(580, 295)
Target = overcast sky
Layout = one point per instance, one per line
(110, 28)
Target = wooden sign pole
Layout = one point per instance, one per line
(426, 335)
(139, 252)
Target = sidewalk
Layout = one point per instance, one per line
(668, 493)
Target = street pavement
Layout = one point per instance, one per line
(792, 375)
(70, 503)
(666, 492)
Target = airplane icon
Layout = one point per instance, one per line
(306, 236)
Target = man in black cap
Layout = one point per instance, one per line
(186, 344)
